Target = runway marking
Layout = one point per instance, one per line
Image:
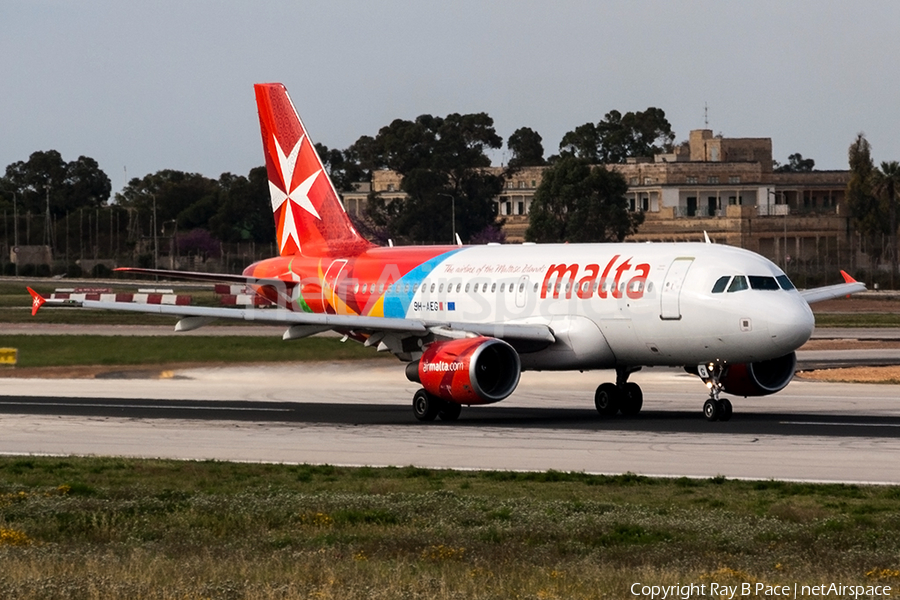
(149, 406)
(842, 424)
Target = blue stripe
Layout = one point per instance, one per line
(398, 301)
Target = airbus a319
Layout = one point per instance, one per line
(467, 320)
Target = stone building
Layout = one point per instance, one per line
(725, 187)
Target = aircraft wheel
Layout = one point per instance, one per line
(633, 399)
(425, 406)
(726, 409)
(449, 411)
(711, 410)
(606, 399)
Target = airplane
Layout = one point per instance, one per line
(468, 320)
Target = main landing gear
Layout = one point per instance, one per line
(622, 396)
(715, 408)
(427, 407)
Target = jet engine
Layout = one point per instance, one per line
(760, 378)
(478, 370)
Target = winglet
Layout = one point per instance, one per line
(37, 301)
(847, 278)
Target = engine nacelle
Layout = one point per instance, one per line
(477, 370)
(760, 378)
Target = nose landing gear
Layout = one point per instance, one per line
(715, 408)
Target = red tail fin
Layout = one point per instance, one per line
(308, 214)
(37, 301)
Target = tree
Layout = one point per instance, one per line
(189, 198)
(576, 202)
(442, 161)
(868, 214)
(526, 147)
(72, 185)
(619, 137)
(796, 164)
(886, 184)
(244, 210)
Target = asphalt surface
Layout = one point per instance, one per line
(360, 414)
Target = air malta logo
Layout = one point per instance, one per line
(289, 197)
(613, 282)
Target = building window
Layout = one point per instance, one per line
(734, 180)
(520, 209)
(521, 185)
(508, 208)
(691, 179)
(648, 181)
(712, 179)
(633, 181)
(390, 187)
(645, 203)
(533, 183)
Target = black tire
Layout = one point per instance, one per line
(632, 399)
(425, 406)
(606, 399)
(449, 411)
(711, 410)
(726, 409)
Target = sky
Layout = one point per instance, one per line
(145, 86)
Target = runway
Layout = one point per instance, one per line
(359, 414)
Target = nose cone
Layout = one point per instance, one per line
(791, 322)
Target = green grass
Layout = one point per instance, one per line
(95, 527)
(79, 350)
(858, 320)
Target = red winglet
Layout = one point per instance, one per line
(37, 301)
(847, 278)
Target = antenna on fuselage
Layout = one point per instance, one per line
(458, 241)
(706, 238)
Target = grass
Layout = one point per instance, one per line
(95, 527)
(858, 320)
(79, 350)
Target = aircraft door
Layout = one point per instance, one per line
(670, 295)
(330, 294)
(521, 291)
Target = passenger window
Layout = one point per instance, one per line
(406, 289)
(737, 284)
(721, 284)
(493, 287)
(432, 288)
(467, 288)
(484, 289)
(763, 283)
(441, 289)
(785, 283)
(502, 285)
(458, 287)
(521, 287)
(415, 288)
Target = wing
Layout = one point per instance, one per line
(829, 292)
(199, 276)
(392, 334)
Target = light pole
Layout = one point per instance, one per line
(16, 229)
(452, 213)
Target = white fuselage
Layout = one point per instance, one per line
(616, 304)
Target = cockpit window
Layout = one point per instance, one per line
(763, 283)
(785, 283)
(738, 283)
(721, 284)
